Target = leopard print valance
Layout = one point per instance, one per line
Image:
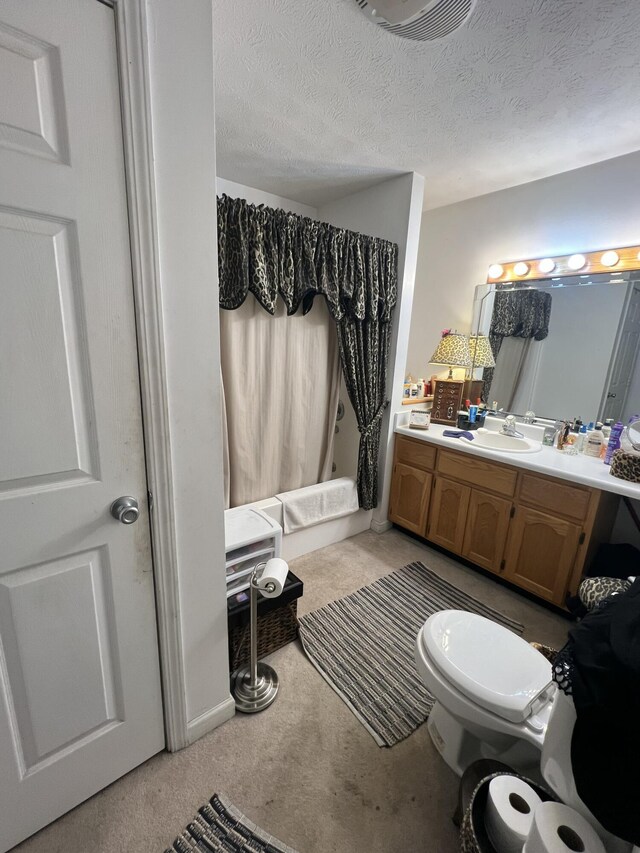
(521, 314)
(273, 253)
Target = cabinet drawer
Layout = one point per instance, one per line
(416, 453)
(540, 492)
(477, 472)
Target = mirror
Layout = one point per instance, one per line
(565, 347)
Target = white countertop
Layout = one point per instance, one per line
(548, 460)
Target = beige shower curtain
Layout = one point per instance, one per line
(281, 378)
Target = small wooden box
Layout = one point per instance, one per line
(447, 399)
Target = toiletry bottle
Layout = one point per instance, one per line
(582, 438)
(614, 441)
(594, 442)
(606, 434)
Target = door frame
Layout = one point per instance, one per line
(134, 70)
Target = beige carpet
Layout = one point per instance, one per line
(305, 770)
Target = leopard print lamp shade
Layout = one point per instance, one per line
(453, 350)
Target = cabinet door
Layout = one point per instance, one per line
(410, 493)
(541, 552)
(486, 531)
(448, 514)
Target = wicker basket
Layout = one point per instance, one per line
(275, 630)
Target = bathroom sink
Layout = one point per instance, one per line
(505, 443)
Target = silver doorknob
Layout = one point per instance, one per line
(610, 395)
(125, 509)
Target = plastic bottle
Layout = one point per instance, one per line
(582, 438)
(594, 442)
(614, 441)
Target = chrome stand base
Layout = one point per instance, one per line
(250, 700)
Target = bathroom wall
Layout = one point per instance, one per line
(585, 209)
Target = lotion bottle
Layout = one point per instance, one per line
(594, 442)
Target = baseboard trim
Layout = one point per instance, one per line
(380, 526)
(210, 720)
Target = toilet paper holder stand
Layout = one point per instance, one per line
(254, 687)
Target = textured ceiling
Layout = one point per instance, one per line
(313, 101)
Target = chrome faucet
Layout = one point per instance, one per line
(509, 427)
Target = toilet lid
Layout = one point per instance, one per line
(488, 663)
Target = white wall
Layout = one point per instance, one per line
(391, 210)
(181, 87)
(595, 207)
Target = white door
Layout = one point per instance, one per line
(80, 700)
(621, 371)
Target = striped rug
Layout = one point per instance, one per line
(220, 826)
(363, 645)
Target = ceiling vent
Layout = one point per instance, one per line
(421, 20)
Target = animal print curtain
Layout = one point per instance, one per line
(274, 254)
(516, 314)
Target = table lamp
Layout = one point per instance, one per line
(453, 351)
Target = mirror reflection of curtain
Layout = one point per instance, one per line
(281, 379)
(508, 371)
(522, 314)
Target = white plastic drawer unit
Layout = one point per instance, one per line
(251, 537)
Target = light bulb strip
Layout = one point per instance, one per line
(604, 260)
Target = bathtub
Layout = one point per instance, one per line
(319, 535)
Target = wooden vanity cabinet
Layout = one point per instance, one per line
(537, 532)
(448, 516)
(486, 530)
(409, 500)
(541, 553)
(411, 483)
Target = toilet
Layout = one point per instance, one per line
(495, 698)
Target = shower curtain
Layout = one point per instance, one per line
(276, 256)
(281, 378)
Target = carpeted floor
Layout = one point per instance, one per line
(305, 770)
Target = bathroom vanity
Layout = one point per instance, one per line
(535, 520)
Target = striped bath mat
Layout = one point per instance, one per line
(363, 645)
(220, 826)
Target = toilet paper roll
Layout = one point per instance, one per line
(556, 828)
(511, 804)
(274, 574)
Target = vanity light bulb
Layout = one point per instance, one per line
(521, 268)
(546, 265)
(576, 262)
(495, 271)
(610, 258)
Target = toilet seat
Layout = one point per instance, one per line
(488, 664)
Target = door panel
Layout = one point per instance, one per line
(409, 501)
(80, 701)
(47, 421)
(486, 531)
(541, 552)
(448, 514)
